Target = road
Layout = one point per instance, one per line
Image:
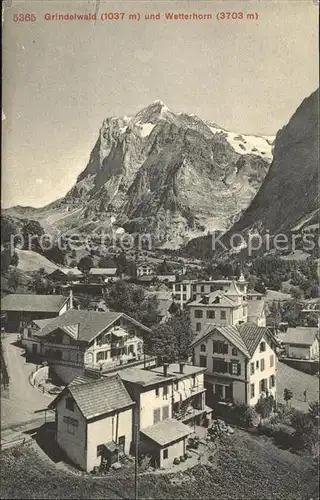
(23, 400)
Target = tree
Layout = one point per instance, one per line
(132, 300)
(287, 395)
(85, 264)
(55, 254)
(15, 260)
(264, 406)
(83, 300)
(274, 318)
(122, 264)
(5, 260)
(314, 410)
(164, 268)
(183, 332)
(41, 285)
(14, 279)
(32, 232)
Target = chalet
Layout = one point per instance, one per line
(106, 274)
(301, 342)
(20, 309)
(78, 339)
(65, 275)
(94, 421)
(240, 362)
(144, 269)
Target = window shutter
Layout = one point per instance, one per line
(230, 368)
(225, 366)
(239, 369)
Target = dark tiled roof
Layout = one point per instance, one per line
(252, 335)
(96, 397)
(90, 323)
(229, 332)
(33, 303)
(167, 432)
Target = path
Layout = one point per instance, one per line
(23, 400)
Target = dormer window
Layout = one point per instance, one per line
(216, 300)
(203, 348)
(262, 346)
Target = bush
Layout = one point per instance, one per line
(284, 436)
(244, 415)
(269, 429)
(182, 459)
(176, 461)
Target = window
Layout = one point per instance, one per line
(184, 297)
(198, 327)
(157, 391)
(198, 314)
(203, 361)
(257, 365)
(251, 368)
(70, 428)
(156, 415)
(252, 390)
(219, 365)
(263, 385)
(234, 351)
(184, 288)
(176, 386)
(234, 368)
(202, 289)
(203, 348)
(194, 288)
(223, 315)
(178, 287)
(262, 346)
(72, 423)
(165, 453)
(193, 381)
(212, 288)
(211, 314)
(219, 347)
(165, 413)
(99, 450)
(262, 364)
(121, 442)
(271, 360)
(165, 391)
(69, 404)
(271, 381)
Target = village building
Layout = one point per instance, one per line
(81, 339)
(301, 343)
(21, 309)
(219, 308)
(65, 275)
(106, 274)
(144, 269)
(94, 421)
(192, 290)
(167, 398)
(240, 362)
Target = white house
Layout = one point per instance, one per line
(256, 312)
(94, 420)
(301, 342)
(240, 362)
(219, 308)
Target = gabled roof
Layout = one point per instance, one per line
(216, 299)
(299, 336)
(233, 290)
(96, 397)
(166, 432)
(231, 333)
(252, 335)
(89, 323)
(33, 303)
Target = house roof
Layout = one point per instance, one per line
(252, 335)
(91, 323)
(167, 432)
(212, 300)
(174, 369)
(231, 333)
(233, 290)
(256, 308)
(95, 397)
(33, 303)
(142, 377)
(300, 335)
(245, 337)
(67, 270)
(103, 271)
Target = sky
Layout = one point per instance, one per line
(62, 78)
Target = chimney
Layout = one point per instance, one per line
(181, 365)
(165, 369)
(71, 298)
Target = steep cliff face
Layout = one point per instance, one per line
(288, 198)
(167, 173)
(290, 191)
